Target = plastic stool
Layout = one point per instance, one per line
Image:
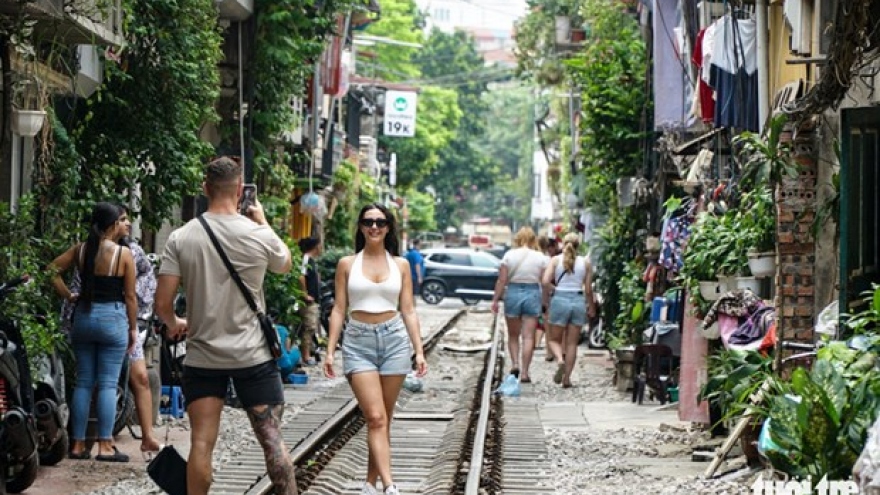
(172, 402)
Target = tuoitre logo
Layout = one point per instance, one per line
(804, 487)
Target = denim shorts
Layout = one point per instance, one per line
(522, 300)
(568, 308)
(381, 347)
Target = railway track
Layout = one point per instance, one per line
(456, 437)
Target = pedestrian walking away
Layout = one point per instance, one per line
(572, 303)
(310, 282)
(519, 282)
(223, 335)
(104, 325)
(374, 289)
(416, 267)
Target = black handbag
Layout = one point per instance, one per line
(266, 323)
(168, 468)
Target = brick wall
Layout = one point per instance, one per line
(796, 208)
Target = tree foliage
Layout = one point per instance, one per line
(452, 59)
(400, 21)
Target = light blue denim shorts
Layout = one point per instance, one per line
(383, 347)
(568, 308)
(522, 300)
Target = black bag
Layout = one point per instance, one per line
(168, 470)
(266, 324)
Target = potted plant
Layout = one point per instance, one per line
(28, 102)
(766, 160)
(757, 221)
(733, 377)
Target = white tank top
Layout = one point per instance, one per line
(373, 297)
(570, 281)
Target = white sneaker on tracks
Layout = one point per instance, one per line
(368, 489)
(391, 490)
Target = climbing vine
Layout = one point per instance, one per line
(143, 125)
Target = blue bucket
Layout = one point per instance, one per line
(298, 378)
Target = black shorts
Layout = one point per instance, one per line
(258, 385)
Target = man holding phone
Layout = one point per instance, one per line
(223, 335)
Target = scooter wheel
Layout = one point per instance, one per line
(23, 475)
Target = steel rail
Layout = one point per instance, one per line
(472, 487)
(312, 443)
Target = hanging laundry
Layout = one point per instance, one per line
(701, 57)
(674, 236)
(734, 74)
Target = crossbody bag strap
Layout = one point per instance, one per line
(232, 272)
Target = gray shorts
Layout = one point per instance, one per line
(568, 308)
(382, 347)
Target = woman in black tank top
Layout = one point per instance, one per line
(104, 325)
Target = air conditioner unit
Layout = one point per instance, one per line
(91, 70)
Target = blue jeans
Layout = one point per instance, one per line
(100, 338)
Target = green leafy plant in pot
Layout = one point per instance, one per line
(766, 160)
(734, 376)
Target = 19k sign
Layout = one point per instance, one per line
(400, 113)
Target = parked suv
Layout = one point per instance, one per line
(459, 272)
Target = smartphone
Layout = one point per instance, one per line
(248, 197)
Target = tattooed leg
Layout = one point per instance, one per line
(266, 421)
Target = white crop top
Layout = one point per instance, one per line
(570, 281)
(373, 297)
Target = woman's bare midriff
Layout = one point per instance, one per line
(373, 318)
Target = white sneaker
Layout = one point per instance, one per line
(391, 490)
(368, 489)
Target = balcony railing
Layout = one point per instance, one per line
(72, 22)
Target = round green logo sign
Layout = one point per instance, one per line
(400, 104)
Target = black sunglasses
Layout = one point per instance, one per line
(378, 222)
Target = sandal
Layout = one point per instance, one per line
(84, 455)
(514, 371)
(526, 380)
(560, 370)
(567, 385)
(116, 457)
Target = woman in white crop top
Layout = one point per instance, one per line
(519, 282)
(374, 290)
(571, 307)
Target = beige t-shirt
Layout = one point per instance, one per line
(223, 332)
